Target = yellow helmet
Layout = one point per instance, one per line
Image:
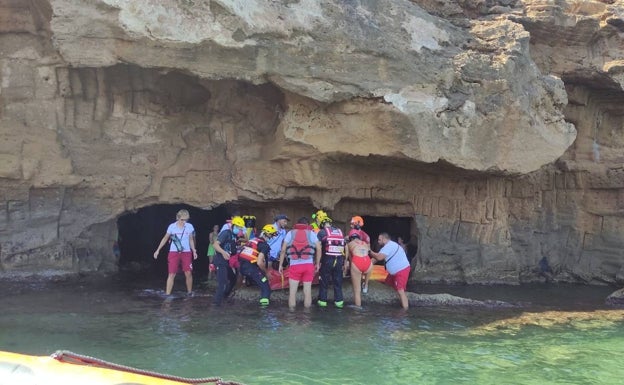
(269, 230)
(325, 221)
(238, 221)
(320, 216)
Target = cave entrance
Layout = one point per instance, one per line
(140, 233)
(403, 227)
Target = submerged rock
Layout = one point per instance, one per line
(548, 319)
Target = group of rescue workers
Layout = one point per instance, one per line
(310, 248)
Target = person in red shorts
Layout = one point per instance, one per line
(182, 250)
(397, 265)
(361, 264)
(303, 248)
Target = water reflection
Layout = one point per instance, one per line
(298, 318)
(376, 344)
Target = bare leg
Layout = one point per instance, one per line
(170, 279)
(403, 298)
(307, 294)
(356, 282)
(367, 275)
(189, 281)
(292, 293)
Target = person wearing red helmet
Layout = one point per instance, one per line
(357, 222)
(361, 264)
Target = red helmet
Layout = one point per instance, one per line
(357, 221)
(354, 234)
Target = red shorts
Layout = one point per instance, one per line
(174, 259)
(362, 263)
(399, 280)
(301, 273)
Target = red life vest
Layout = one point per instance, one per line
(250, 250)
(300, 246)
(334, 242)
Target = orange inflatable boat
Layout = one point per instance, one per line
(73, 369)
(280, 281)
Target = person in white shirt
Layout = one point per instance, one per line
(181, 251)
(397, 265)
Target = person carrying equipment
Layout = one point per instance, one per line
(303, 248)
(225, 246)
(252, 261)
(332, 262)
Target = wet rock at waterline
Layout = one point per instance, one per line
(616, 298)
(378, 294)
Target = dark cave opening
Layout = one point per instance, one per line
(140, 233)
(396, 227)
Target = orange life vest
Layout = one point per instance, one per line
(299, 246)
(250, 250)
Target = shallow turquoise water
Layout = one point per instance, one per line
(131, 325)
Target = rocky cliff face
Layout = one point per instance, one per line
(496, 126)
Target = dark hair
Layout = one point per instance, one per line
(385, 235)
(303, 221)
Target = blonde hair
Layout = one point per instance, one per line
(183, 214)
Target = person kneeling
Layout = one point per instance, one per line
(252, 262)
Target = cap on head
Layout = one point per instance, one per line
(281, 216)
(354, 234)
(238, 221)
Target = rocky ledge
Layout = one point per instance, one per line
(378, 294)
(616, 298)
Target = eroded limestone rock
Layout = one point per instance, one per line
(469, 96)
(461, 115)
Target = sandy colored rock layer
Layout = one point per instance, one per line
(496, 127)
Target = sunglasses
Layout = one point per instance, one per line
(184, 219)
